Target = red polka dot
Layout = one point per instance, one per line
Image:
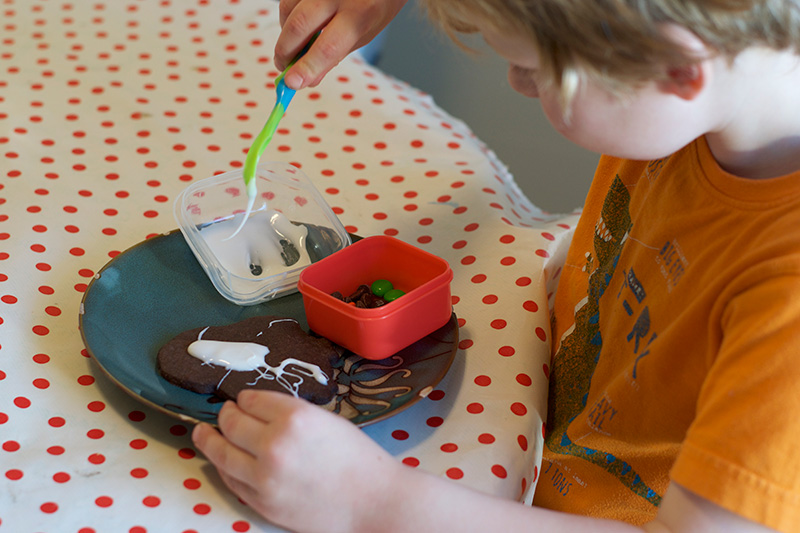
(138, 444)
(96, 406)
(95, 434)
(489, 299)
(506, 351)
(151, 501)
(483, 381)
(178, 430)
(435, 421)
(139, 473)
(475, 408)
(49, 507)
(202, 509)
(522, 440)
(61, 477)
(498, 323)
(14, 474)
(186, 453)
(40, 330)
(540, 332)
(436, 395)
(400, 434)
(546, 370)
(136, 416)
(542, 253)
(55, 450)
(486, 438)
(507, 261)
(22, 402)
(454, 473)
(240, 526)
(519, 409)
(56, 422)
(11, 446)
(411, 461)
(524, 380)
(499, 471)
(86, 380)
(531, 306)
(97, 458)
(449, 447)
(523, 281)
(191, 483)
(104, 501)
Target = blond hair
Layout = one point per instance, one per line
(621, 43)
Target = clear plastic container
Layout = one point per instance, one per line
(377, 333)
(289, 228)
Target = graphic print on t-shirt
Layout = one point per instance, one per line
(579, 352)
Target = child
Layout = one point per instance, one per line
(675, 385)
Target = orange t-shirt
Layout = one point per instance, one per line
(677, 352)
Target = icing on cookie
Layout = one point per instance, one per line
(249, 356)
(238, 356)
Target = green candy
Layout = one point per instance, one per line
(392, 295)
(381, 287)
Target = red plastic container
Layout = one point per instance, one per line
(382, 331)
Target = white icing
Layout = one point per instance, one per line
(258, 243)
(249, 356)
(238, 356)
(280, 320)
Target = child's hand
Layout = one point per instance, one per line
(296, 464)
(346, 24)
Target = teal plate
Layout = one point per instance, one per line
(151, 292)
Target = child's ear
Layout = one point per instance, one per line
(686, 81)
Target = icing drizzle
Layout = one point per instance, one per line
(249, 356)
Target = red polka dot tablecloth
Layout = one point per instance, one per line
(107, 111)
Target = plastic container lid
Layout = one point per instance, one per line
(290, 228)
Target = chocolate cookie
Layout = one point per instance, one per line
(265, 352)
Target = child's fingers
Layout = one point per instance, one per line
(300, 24)
(284, 8)
(328, 50)
(226, 457)
(245, 492)
(249, 432)
(267, 406)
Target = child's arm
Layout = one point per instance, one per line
(347, 25)
(306, 469)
